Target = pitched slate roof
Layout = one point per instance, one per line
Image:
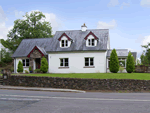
(134, 55)
(79, 43)
(53, 45)
(120, 52)
(27, 45)
(42, 50)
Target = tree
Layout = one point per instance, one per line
(44, 65)
(130, 63)
(147, 54)
(33, 26)
(20, 67)
(142, 58)
(114, 62)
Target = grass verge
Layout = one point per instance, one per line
(138, 76)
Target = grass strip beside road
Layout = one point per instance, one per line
(138, 76)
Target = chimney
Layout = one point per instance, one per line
(83, 27)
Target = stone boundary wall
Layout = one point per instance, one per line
(79, 84)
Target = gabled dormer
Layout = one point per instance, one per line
(91, 40)
(65, 41)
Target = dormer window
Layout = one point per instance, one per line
(64, 43)
(91, 42)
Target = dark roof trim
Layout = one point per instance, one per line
(33, 50)
(90, 34)
(76, 51)
(64, 34)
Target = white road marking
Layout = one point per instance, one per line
(19, 99)
(74, 98)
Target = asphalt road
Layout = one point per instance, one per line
(19, 101)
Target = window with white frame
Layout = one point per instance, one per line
(91, 42)
(64, 62)
(89, 61)
(64, 43)
(25, 62)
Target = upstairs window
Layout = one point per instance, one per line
(25, 62)
(64, 43)
(91, 42)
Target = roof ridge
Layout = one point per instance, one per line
(80, 30)
(37, 38)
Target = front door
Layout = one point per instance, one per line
(38, 63)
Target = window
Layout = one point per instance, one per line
(25, 62)
(89, 61)
(64, 62)
(64, 43)
(91, 42)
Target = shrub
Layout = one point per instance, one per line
(20, 67)
(26, 71)
(114, 63)
(121, 69)
(30, 68)
(37, 70)
(130, 63)
(44, 65)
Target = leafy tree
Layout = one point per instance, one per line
(147, 54)
(33, 26)
(44, 65)
(114, 62)
(20, 67)
(142, 58)
(130, 63)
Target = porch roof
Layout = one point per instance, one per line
(120, 52)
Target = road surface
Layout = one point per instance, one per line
(19, 101)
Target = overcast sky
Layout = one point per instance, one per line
(127, 20)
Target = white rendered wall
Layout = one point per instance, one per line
(77, 62)
(17, 61)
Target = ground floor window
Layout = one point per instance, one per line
(64, 62)
(25, 62)
(89, 61)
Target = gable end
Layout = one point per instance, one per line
(33, 50)
(64, 34)
(95, 37)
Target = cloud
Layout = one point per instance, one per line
(18, 14)
(145, 3)
(103, 25)
(124, 5)
(145, 40)
(113, 3)
(3, 28)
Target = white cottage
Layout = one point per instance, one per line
(71, 51)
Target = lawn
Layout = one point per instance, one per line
(139, 76)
